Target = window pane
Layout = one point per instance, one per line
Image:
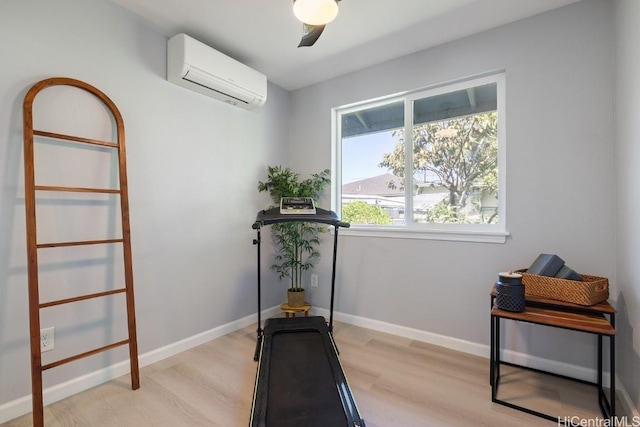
(370, 193)
(455, 160)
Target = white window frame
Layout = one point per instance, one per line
(489, 233)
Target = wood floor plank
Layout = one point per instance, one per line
(396, 382)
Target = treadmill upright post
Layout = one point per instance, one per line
(333, 276)
(274, 216)
(256, 242)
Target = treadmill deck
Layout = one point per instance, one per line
(300, 381)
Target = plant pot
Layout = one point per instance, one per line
(295, 297)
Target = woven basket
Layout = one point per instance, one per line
(591, 290)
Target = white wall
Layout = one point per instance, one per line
(193, 165)
(627, 20)
(560, 177)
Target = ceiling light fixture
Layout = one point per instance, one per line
(315, 12)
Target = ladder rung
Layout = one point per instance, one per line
(83, 355)
(74, 138)
(86, 242)
(78, 189)
(82, 298)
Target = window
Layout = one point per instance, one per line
(426, 164)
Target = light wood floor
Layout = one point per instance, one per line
(395, 381)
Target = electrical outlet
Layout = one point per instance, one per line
(47, 339)
(314, 280)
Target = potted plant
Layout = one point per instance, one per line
(296, 242)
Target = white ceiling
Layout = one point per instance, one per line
(264, 33)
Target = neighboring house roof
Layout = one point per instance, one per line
(376, 190)
(381, 185)
(420, 201)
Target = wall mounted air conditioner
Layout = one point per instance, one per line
(198, 67)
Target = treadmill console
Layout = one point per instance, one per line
(297, 206)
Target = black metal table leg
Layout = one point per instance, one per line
(612, 367)
(497, 354)
(492, 361)
(601, 396)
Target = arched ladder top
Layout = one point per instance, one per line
(66, 81)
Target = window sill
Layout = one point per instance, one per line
(448, 235)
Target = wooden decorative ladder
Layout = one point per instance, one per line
(35, 305)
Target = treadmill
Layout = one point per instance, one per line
(300, 381)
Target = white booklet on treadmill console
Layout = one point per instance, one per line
(297, 206)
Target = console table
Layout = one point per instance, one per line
(597, 319)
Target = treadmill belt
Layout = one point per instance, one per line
(302, 390)
(300, 382)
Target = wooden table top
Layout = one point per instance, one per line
(602, 307)
(586, 322)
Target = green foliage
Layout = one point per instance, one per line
(283, 182)
(442, 212)
(296, 242)
(462, 152)
(360, 212)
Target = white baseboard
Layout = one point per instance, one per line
(21, 406)
(629, 407)
(569, 370)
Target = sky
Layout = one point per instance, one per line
(361, 155)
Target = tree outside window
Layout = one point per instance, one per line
(460, 156)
